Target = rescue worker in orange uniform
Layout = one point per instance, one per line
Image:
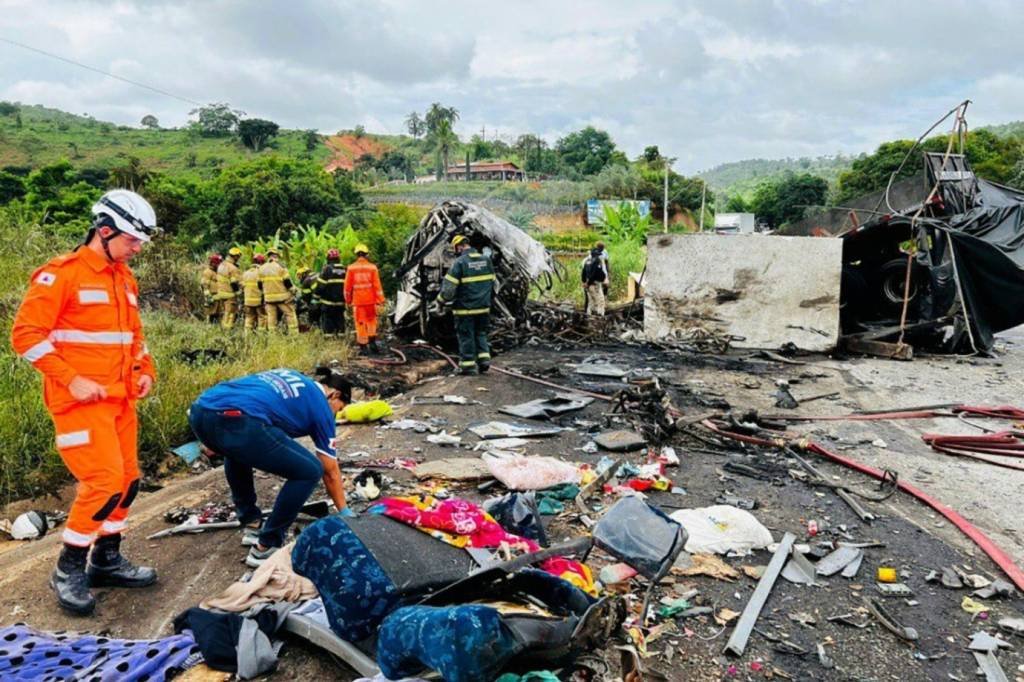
(79, 326)
(252, 295)
(229, 278)
(364, 293)
(208, 283)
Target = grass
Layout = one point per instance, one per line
(29, 463)
(47, 136)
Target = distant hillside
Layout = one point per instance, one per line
(741, 177)
(48, 135)
(1012, 129)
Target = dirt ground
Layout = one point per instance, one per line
(916, 540)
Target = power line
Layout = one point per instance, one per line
(100, 71)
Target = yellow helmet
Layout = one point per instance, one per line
(362, 248)
(301, 271)
(234, 251)
(458, 239)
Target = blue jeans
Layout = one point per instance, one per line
(246, 444)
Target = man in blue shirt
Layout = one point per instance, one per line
(252, 421)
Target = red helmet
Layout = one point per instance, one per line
(259, 258)
(215, 258)
(333, 254)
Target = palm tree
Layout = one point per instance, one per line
(438, 113)
(445, 139)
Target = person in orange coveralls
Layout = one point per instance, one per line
(364, 293)
(79, 326)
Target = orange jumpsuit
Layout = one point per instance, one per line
(364, 293)
(80, 316)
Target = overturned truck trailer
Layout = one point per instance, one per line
(965, 274)
(520, 262)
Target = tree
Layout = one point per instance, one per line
(216, 120)
(784, 200)
(8, 108)
(618, 182)
(652, 154)
(312, 139)
(255, 198)
(445, 139)
(415, 125)
(438, 114)
(11, 187)
(130, 175)
(150, 121)
(736, 204)
(359, 131)
(871, 173)
(256, 132)
(586, 151)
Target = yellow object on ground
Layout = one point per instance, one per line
(886, 574)
(370, 411)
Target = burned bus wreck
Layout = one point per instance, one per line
(520, 263)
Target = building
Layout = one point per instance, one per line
(485, 170)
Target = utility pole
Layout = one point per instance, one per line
(664, 201)
(703, 193)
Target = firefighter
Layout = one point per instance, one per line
(364, 293)
(329, 290)
(252, 295)
(467, 288)
(229, 279)
(79, 326)
(304, 303)
(208, 283)
(277, 293)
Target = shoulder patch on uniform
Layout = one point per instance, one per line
(45, 278)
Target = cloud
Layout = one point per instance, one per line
(708, 83)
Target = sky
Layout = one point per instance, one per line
(708, 82)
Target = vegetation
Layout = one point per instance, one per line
(786, 199)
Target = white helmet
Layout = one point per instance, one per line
(130, 212)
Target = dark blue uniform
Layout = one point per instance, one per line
(468, 286)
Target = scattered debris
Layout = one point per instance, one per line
(839, 560)
(984, 647)
(454, 469)
(547, 408)
(620, 441)
(444, 439)
(704, 564)
(737, 643)
(495, 429)
(721, 529)
(889, 623)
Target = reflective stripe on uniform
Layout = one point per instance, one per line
(71, 537)
(451, 279)
(39, 350)
(271, 278)
(99, 338)
(73, 439)
(334, 303)
(478, 278)
(331, 281)
(483, 356)
(113, 526)
(467, 363)
(471, 311)
(90, 296)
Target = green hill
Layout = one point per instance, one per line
(741, 177)
(46, 135)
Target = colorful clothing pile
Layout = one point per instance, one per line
(462, 524)
(29, 654)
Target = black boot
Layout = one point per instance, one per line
(70, 582)
(108, 568)
(374, 348)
